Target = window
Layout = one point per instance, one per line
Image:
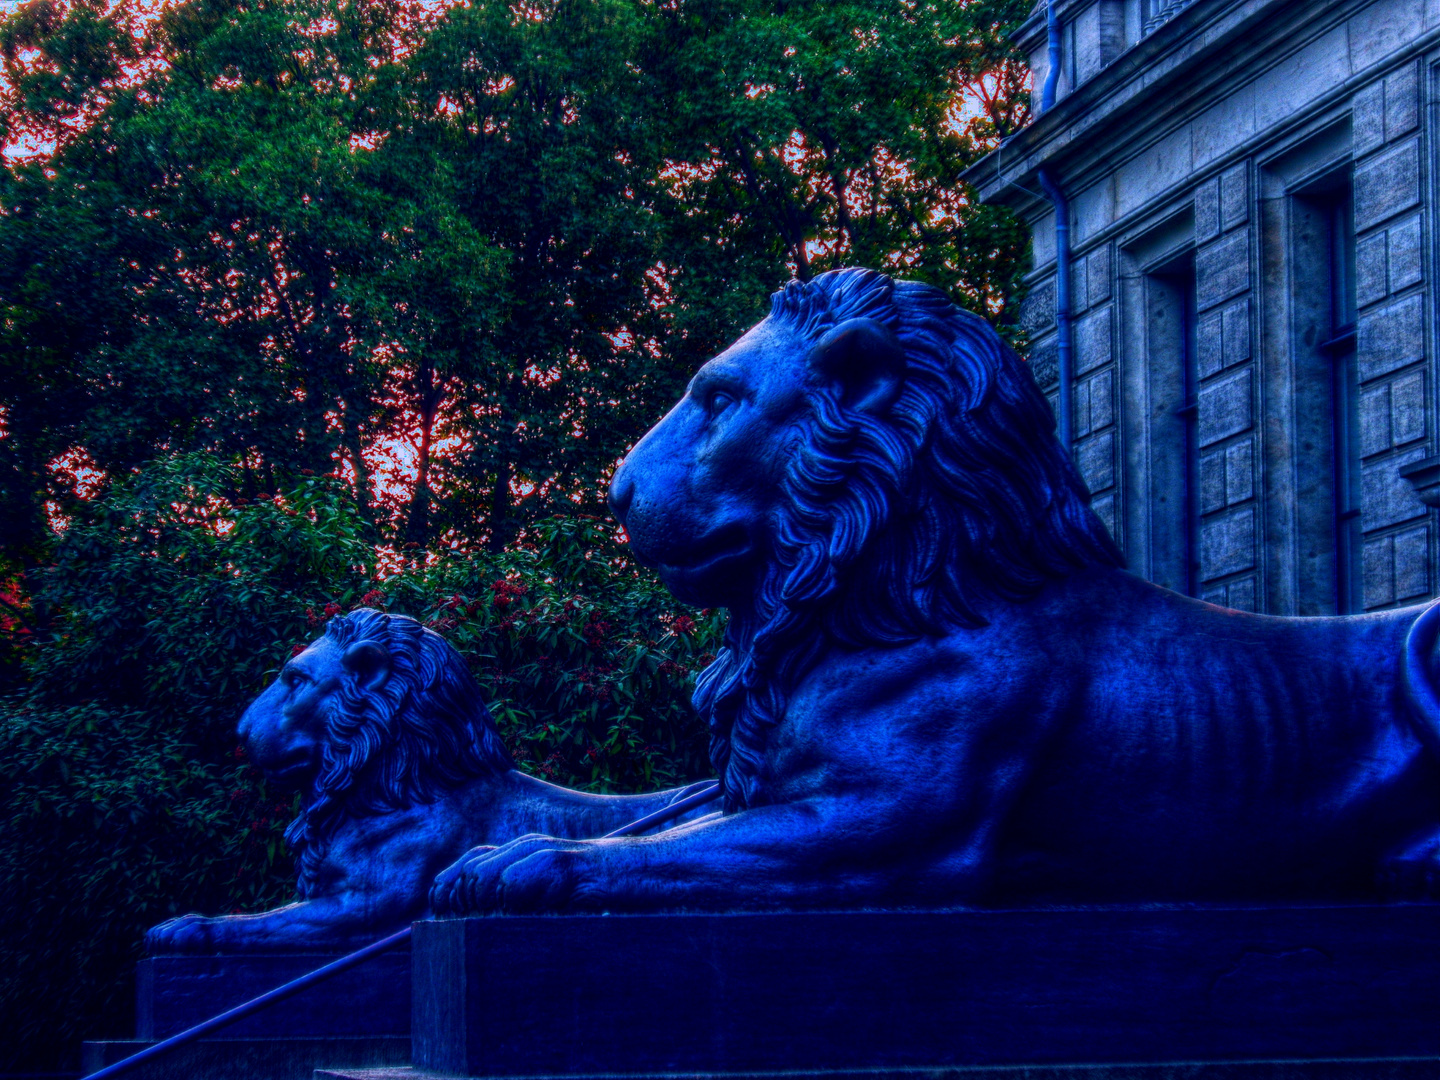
(1323, 298)
(1339, 347)
(1174, 378)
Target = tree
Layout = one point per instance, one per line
(810, 134)
(491, 241)
(234, 258)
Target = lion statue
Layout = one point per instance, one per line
(382, 725)
(939, 684)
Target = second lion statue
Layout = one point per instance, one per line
(940, 686)
(381, 726)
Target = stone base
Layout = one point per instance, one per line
(933, 993)
(1373, 1069)
(249, 1059)
(174, 993)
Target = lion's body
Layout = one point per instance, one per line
(1110, 741)
(940, 686)
(376, 874)
(405, 773)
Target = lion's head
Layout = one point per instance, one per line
(867, 466)
(377, 714)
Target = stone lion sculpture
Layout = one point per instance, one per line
(940, 686)
(381, 724)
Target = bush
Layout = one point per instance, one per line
(170, 605)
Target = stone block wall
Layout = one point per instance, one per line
(1395, 393)
(1225, 505)
(1096, 404)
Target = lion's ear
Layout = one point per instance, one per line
(864, 357)
(369, 663)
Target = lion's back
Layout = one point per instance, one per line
(1207, 752)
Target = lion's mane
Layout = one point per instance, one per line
(898, 527)
(422, 733)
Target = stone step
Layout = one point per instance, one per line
(251, 1058)
(1352, 1069)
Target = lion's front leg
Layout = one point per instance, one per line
(775, 856)
(322, 925)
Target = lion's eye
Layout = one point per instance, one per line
(717, 401)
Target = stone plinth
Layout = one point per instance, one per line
(915, 992)
(1350, 1069)
(178, 992)
(248, 1059)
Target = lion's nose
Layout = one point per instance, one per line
(622, 490)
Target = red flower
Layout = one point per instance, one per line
(332, 609)
(373, 598)
(683, 624)
(296, 650)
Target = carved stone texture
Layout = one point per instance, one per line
(938, 685)
(1096, 460)
(1234, 196)
(1222, 270)
(1367, 110)
(1412, 562)
(1370, 270)
(421, 777)
(1037, 310)
(1223, 338)
(1241, 594)
(1207, 210)
(1391, 337)
(1377, 566)
(1104, 507)
(1225, 407)
(1387, 184)
(1405, 256)
(1097, 275)
(1045, 362)
(1385, 498)
(1402, 107)
(1227, 543)
(1094, 340)
(1392, 414)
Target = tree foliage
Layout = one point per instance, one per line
(462, 256)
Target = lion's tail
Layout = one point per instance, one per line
(1419, 682)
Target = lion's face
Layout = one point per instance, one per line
(284, 729)
(696, 493)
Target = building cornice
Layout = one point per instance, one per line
(1203, 53)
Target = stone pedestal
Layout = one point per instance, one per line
(359, 1017)
(177, 992)
(933, 993)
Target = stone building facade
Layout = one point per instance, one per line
(1250, 187)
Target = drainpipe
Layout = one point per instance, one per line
(1063, 331)
(1052, 50)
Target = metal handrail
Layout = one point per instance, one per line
(698, 798)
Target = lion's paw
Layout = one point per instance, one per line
(186, 934)
(534, 873)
